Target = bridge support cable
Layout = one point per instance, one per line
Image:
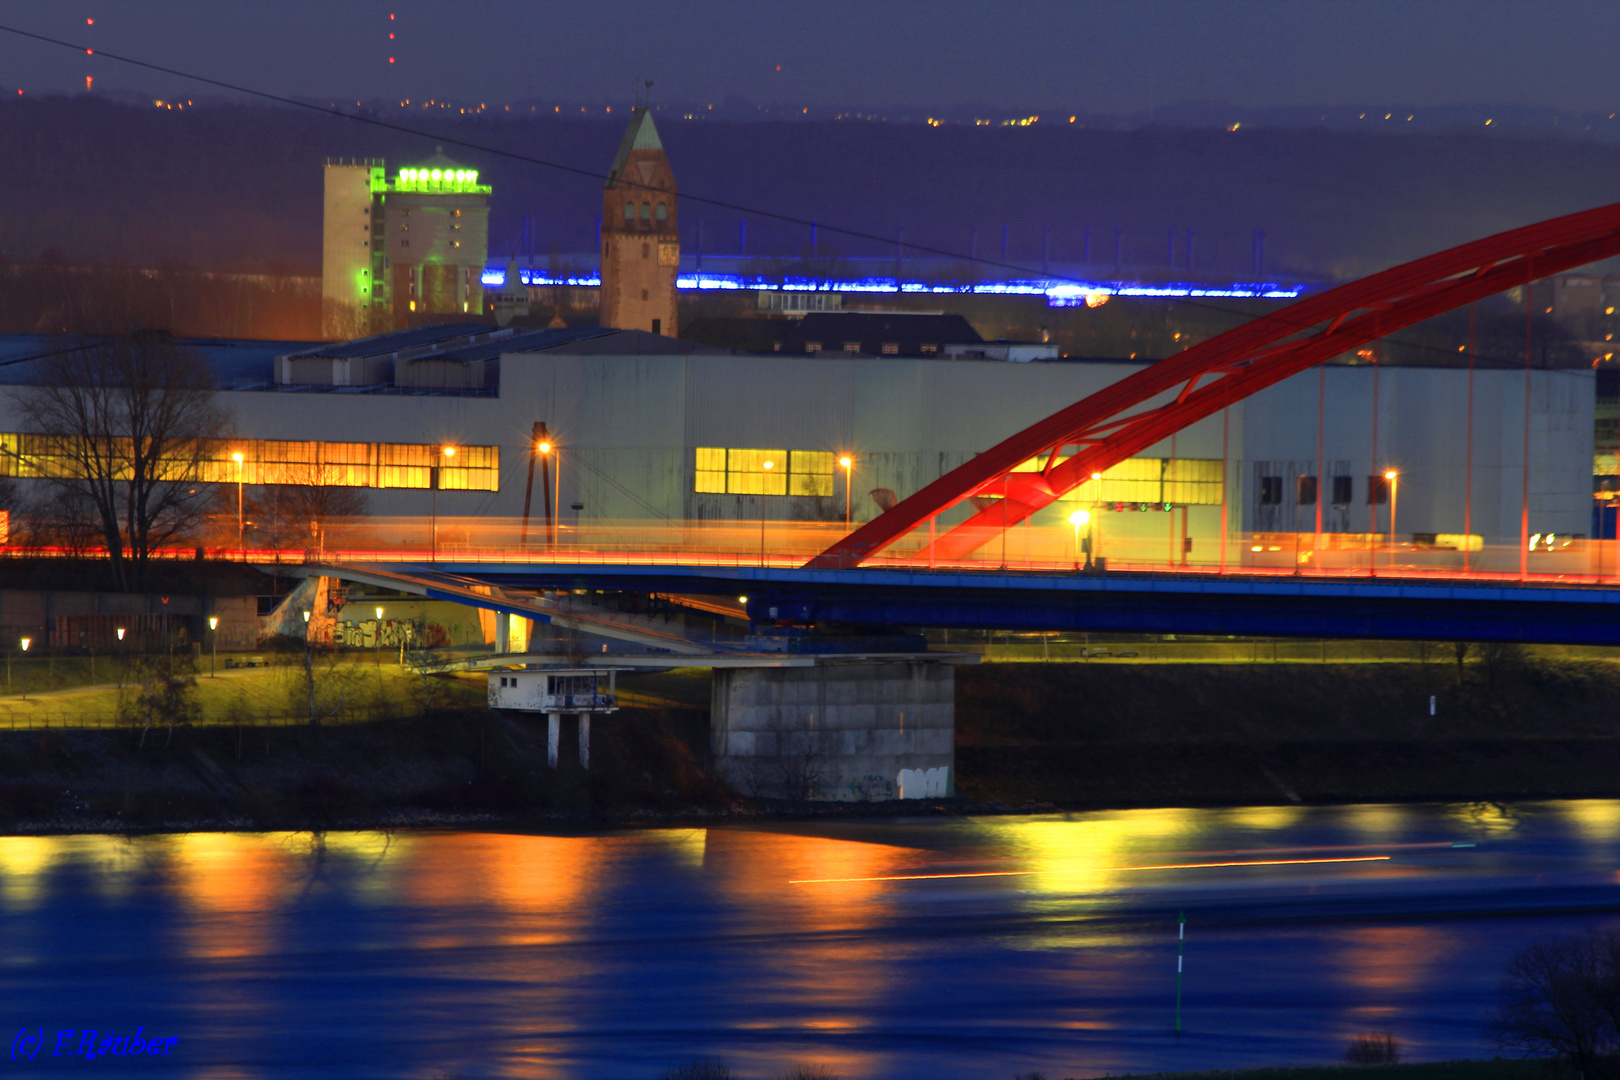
(1129, 416)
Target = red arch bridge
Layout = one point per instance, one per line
(853, 582)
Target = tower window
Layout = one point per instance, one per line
(645, 251)
(629, 211)
(646, 211)
(1341, 490)
(644, 294)
(663, 212)
(1271, 491)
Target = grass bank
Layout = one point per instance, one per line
(1493, 1069)
(1505, 725)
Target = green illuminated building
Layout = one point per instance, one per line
(402, 250)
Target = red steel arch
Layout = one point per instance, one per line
(1127, 417)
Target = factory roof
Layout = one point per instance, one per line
(250, 365)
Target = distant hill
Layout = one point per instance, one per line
(224, 187)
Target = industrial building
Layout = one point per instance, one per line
(647, 428)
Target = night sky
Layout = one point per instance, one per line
(1117, 57)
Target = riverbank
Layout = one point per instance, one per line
(1492, 1069)
(1031, 738)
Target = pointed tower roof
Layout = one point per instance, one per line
(640, 135)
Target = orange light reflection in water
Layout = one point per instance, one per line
(829, 975)
(543, 888)
(232, 882)
(1386, 960)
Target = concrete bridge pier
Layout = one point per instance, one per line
(846, 729)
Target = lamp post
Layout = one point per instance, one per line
(1394, 495)
(25, 643)
(551, 522)
(213, 645)
(847, 463)
(763, 484)
(237, 457)
(377, 637)
(445, 452)
(1078, 519)
(120, 658)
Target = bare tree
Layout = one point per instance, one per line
(166, 691)
(125, 429)
(1562, 997)
(328, 685)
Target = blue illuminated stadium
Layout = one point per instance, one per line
(1059, 292)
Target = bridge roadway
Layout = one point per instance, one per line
(1440, 609)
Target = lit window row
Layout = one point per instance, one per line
(272, 461)
(1181, 481)
(724, 471)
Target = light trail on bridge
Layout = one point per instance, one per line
(1034, 551)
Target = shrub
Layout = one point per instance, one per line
(1376, 1049)
(699, 1068)
(801, 1071)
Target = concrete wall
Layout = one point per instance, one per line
(1423, 434)
(850, 731)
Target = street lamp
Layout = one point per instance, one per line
(551, 520)
(846, 462)
(763, 484)
(1078, 519)
(213, 645)
(447, 452)
(1394, 495)
(120, 633)
(25, 643)
(237, 457)
(377, 637)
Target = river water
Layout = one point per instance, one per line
(979, 947)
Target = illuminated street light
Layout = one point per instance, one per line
(847, 463)
(377, 638)
(764, 482)
(447, 452)
(1078, 519)
(1394, 496)
(237, 457)
(25, 643)
(213, 645)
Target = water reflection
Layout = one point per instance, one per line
(870, 949)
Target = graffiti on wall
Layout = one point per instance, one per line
(383, 634)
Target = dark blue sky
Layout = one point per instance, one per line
(1076, 55)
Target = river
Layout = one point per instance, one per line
(938, 948)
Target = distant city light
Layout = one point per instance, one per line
(1065, 292)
